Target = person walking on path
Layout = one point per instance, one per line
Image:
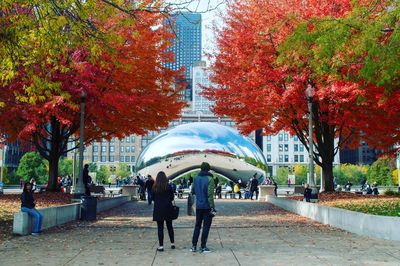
(203, 188)
(86, 179)
(28, 205)
(163, 196)
(148, 186)
(254, 187)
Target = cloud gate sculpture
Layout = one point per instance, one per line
(182, 149)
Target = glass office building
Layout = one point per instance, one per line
(186, 46)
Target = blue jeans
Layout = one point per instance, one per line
(149, 196)
(38, 218)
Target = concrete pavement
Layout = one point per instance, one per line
(243, 233)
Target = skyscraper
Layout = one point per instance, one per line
(200, 78)
(187, 45)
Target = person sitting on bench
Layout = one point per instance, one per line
(28, 205)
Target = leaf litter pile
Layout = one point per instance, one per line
(11, 203)
(378, 205)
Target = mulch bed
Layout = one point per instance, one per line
(11, 203)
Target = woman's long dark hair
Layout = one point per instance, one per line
(161, 183)
(25, 189)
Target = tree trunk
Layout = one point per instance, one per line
(53, 173)
(327, 174)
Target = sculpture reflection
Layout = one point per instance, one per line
(183, 148)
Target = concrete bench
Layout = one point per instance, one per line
(97, 190)
(59, 215)
(52, 216)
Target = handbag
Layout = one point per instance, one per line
(175, 212)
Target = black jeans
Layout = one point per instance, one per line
(160, 227)
(202, 216)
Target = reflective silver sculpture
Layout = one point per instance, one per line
(182, 149)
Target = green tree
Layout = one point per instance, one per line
(300, 171)
(381, 172)
(6, 180)
(65, 167)
(282, 176)
(103, 174)
(123, 170)
(32, 165)
(350, 172)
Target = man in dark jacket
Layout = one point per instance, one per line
(254, 187)
(148, 186)
(87, 180)
(203, 187)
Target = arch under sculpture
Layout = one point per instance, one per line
(185, 147)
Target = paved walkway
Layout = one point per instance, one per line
(244, 233)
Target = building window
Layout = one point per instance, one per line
(103, 148)
(296, 158)
(268, 157)
(121, 158)
(95, 158)
(111, 158)
(296, 147)
(132, 158)
(301, 158)
(132, 139)
(281, 158)
(280, 137)
(286, 158)
(127, 139)
(103, 159)
(286, 137)
(286, 147)
(280, 147)
(121, 148)
(112, 148)
(295, 138)
(95, 148)
(301, 147)
(268, 147)
(132, 148)
(126, 158)
(128, 149)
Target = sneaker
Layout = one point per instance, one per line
(193, 249)
(172, 246)
(35, 234)
(161, 249)
(205, 250)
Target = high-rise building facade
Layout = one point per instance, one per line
(200, 80)
(283, 150)
(186, 46)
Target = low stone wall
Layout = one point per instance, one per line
(106, 204)
(383, 227)
(53, 216)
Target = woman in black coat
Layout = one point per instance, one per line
(163, 196)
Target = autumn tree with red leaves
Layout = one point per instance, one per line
(121, 70)
(267, 56)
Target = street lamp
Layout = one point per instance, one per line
(79, 190)
(310, 93)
